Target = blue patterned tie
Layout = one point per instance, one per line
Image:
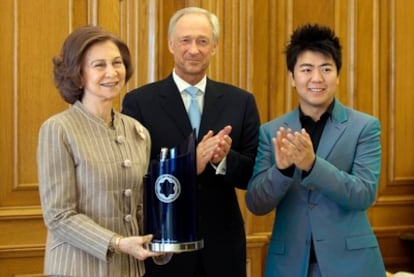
(194, 112)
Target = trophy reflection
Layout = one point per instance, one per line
(170, 202)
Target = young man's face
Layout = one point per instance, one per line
(315, 78)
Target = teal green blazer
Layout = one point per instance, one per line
(330, 203)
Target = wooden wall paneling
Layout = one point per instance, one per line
(395, 112)
(363, 97)
(256, 254)
(393, 211)
(260, 34)
(140, 24)
(398, 254)
(362, 91)
(236, 33)
(6, 103)
(29, 98)
(404, 62)
(345, 28)
(262, 62)
(321, 12)
(107, 14)
(218, 66)
(166, 63)
(18, 263)
(21, 251)
(78, 10)
(31, 93)
(279, 88)
(384, 85)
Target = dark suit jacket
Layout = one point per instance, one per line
(159, 107)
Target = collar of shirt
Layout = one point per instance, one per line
(182, 85)
(327, 113)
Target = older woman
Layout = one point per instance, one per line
(91, 162)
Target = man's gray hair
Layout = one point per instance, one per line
(212, 18)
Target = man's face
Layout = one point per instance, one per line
(192, 46)
(315, 78)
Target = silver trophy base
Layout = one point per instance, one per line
(175, 247)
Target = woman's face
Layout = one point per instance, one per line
(103, 71)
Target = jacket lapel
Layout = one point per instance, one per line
(171, 102)
(333, 130)
(292, 121)
(213, 107)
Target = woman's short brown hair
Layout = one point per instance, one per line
(67, 68)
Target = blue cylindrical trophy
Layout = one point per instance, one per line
(170, 200)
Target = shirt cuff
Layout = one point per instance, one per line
(221, 168)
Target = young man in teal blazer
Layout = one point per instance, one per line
(318, 166)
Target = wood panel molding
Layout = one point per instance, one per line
(257, 245)
(398, 253)
(25, 250)
(22, 212)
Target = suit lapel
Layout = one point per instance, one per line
(212, 109)
(333, 130)
(171, 102)
(292, 121)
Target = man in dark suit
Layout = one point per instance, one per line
(226, 149)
